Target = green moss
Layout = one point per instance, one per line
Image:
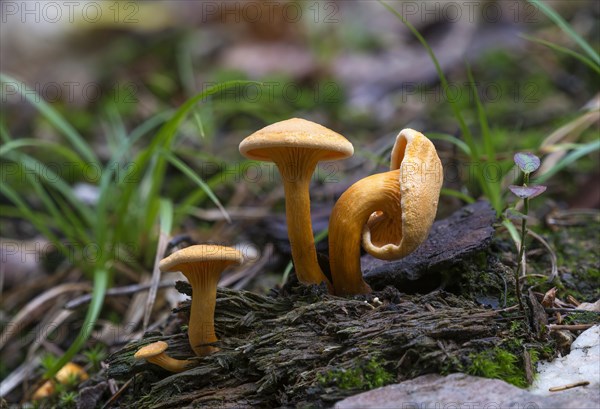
(368, 376)
(498, 363)
(582, 317)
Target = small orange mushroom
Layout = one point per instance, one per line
(202, 265)
(155, 354)
(390, 212)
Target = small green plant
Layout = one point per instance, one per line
(48, 361)
(365, 377)
(95, 355)
(527, 163)
(67, 399)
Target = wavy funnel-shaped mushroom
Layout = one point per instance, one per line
(390, 213)
(202, 265)
(296, 146)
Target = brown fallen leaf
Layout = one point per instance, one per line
(549, 298)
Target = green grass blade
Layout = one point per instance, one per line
(98, 292)
(168, 131)
(512, 230)
(566, 27)
(466, 132)
(31, 142)
(52, 179)
(4, 134)
(54, 118)
(458, 194)
(452, 139)
(482, 117)
(571, 157)
(322, 235)
(58, 218)
(488, 145)
(38, 222)
(286, 272)
(166, 216)
(197, 197)
(186, 170)
(148, 125)
(117, 134)
(453, 104)
(564, 50)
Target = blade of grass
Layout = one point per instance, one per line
(31, 142)
(566, 27)
(466, 132)
(168, 131)
(54, 118)
(488, 145)
(514, 233)
(147, 126)
(117, 134)
(47, 175)
(4, 134)
(101, 278)
(452, 139)
(186, 170)
(571, 157)
(32, 217)
(65, 228)
(564, 50)
(458, 194)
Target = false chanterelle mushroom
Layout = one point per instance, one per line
(155, 354)
(202, 265)
(296, 146)
(390, 212)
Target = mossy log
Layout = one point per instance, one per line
(309, 349)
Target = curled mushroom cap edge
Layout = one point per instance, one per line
(390, 213)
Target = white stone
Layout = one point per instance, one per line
(581, 364)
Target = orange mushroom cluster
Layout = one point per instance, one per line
(389, 213)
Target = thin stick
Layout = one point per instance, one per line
(570, 310)
(118, 394)
(128, 289)
(573, 327)
(163, 240)
(553, 258)
(569, 386)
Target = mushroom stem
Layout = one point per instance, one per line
(296, 175)
(201, 329)
(376, 193)
(169, 363)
